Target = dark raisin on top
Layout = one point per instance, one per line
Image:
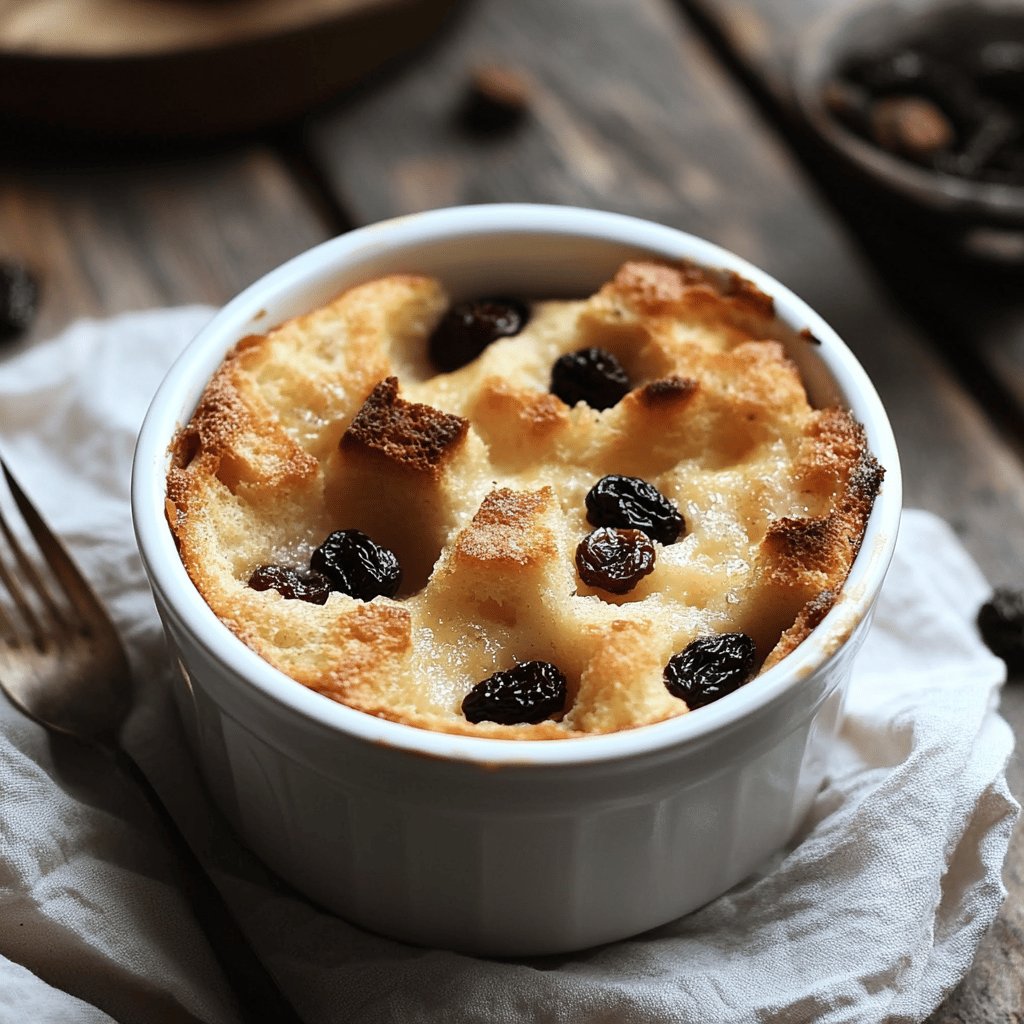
(497, 98)
(590, 375)
(290, 583)
(528, 692)
(356, 565)
(634, 504)
(614, 560)
(709, 668)
(469, 327)
(1001, 624)
(19, 298)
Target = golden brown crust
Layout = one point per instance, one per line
(804, 562)
(654, 289)
(506, 533)
(477, 479)
(809, 617)
(409, 435)
(667, 390)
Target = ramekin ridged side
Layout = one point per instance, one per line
(492, 846)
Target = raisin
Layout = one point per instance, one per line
(528, 692)
(19, 298)
(614, 560)
(311, 587)
(915, 72)
(497, 99)
(710, 667)
(590, 375)
(1001, 623)
(469, 327)
(357, 566)
(911, 126)
(633, 504)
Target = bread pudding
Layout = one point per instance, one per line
(522, 520)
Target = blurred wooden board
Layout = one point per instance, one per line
(138, 234)
(192, 68)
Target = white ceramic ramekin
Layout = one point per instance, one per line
(495, 846)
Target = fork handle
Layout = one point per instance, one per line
(257, 993)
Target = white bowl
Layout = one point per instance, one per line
(495, 846)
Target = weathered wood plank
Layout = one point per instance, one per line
(149, 233)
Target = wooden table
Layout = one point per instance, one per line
(680, 113)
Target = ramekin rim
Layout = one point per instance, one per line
(169, 578)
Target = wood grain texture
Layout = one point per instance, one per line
(152, 233)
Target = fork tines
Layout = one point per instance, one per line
(27, 546)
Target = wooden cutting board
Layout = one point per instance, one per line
(174, 68)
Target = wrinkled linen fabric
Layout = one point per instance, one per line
(873, 913)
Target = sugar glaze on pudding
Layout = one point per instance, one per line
(478, 481)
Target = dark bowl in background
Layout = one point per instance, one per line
(980, 218)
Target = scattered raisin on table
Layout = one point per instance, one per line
(356, 565)
(709, 668)
(590, 375)
(528, 692)
(496, 100)
(634, 504)
(614, 560)
(19, 298)
(1001, 624)
(469, 327)
(311, 587)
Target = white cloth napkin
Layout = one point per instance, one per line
(873, 913)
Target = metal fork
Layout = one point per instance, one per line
(62, 663)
